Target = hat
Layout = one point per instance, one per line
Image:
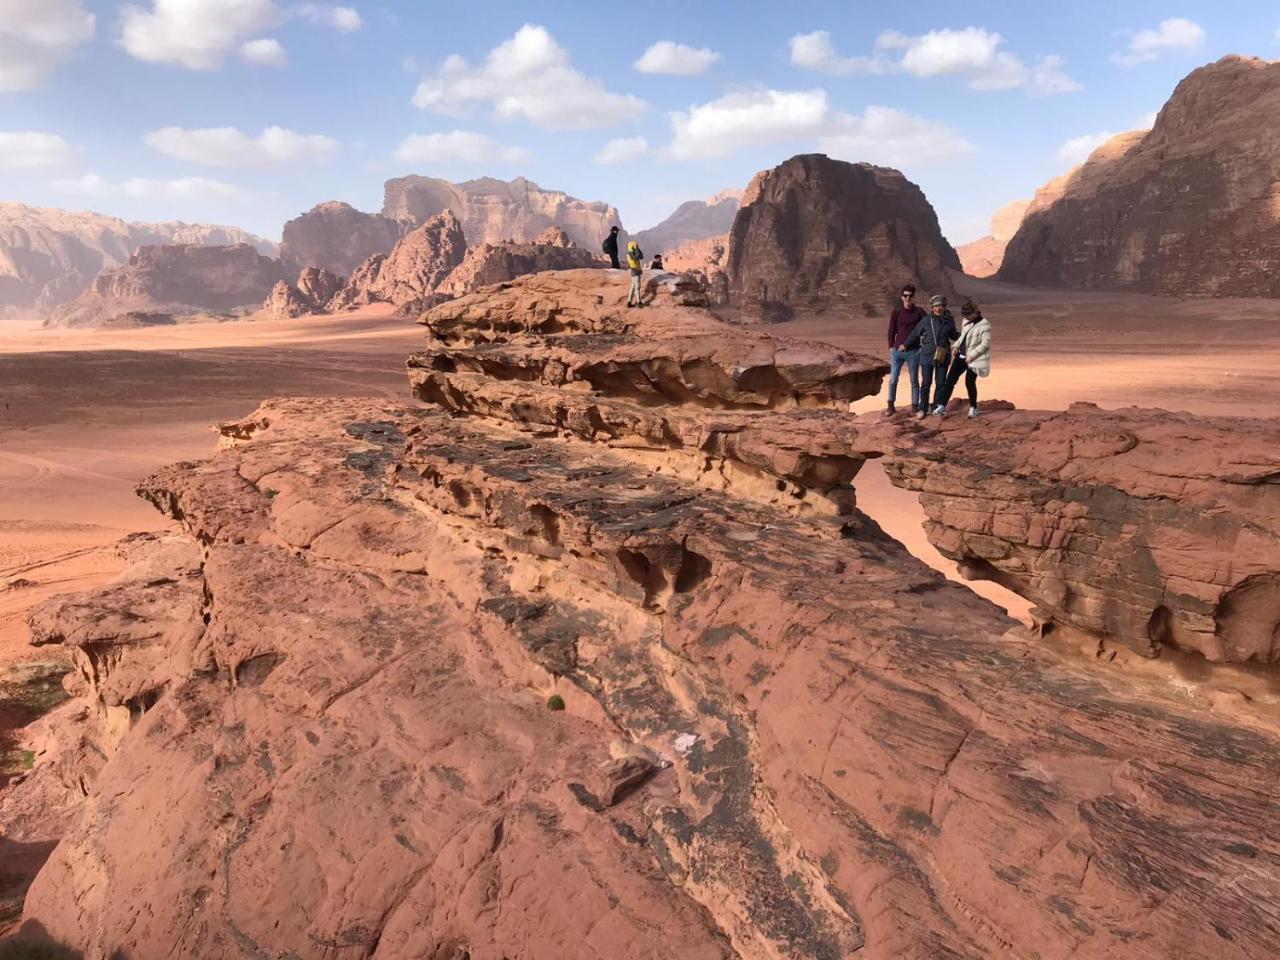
(937, 300)
(613, 229)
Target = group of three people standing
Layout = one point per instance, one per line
(936, 354)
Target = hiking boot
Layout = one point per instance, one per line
(889, 410)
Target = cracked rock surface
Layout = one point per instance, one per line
(782, 737)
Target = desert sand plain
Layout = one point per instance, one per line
(86, 414)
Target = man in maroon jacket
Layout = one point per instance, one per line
(902, 322)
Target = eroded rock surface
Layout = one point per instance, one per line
(1186, 208)
(820, 233)
(412, 273)
(338, 237)
(784, 737)
(490, 263)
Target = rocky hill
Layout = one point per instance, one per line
(693, 220)
(499, 262)
(411, 273)
(165, 284)
(816, 234)
(493, 211)
(589, 652)
(982, 257)
(1188, 208)
(49, 256)
(337, 237)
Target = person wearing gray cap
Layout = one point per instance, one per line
(933, 336)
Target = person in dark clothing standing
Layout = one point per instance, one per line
(902, 323)
(972, 359)
(610, 246)
(933, 336)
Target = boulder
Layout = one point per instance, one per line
(1187, 208)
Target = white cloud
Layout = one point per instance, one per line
(890, 137)
(345, 19)
(622, 150)
(527, 77)
(229, 147)
(32, 151)
(814, 51)
(265, 52)
(666, 56)
(196, 34)
(746, 119)
(457, 146)
(1076, 150)
(36, 36)
(1146, 121)
(185, 188)
(1176, 34)
(972, 54)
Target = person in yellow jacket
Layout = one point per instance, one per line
(635, 261)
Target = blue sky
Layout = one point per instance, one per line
(157, 109)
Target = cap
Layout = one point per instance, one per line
(937, 300)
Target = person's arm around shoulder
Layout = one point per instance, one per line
(913, 341)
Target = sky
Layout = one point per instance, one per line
(249, 112)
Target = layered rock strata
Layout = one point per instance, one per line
(1188, 208)
(818, 234)
(785, 737)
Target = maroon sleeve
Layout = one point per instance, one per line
(893, 315)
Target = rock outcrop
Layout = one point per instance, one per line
(1188, 208)
(411, 274)
(705, 261)
(982, 257)
(499, 262)
(692, 221)
(175, 281)
(782, 735)
(48, 257)
(315, 290)
(819, 234)
(493, 211)
(337, 237)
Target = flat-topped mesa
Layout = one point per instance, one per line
(1155, 528)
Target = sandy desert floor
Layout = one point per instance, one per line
(85, 414)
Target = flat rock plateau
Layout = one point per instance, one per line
(316, 718)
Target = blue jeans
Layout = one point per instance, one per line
(933, 379)
(912, 359)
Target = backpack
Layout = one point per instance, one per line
(604, 245)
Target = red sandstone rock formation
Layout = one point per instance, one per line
(498, 262)
(315, 290)
(338, 237)
(411, 274)
(692, 221)
(179, 281)
(822, 234)
(705, 260)
(784, 736)
(493, 211)
(1187, 208)
(982, 257)
(48, 257)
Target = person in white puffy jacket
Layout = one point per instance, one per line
(971, 356)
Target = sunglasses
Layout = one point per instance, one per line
(908, 296)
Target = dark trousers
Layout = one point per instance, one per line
(958, 366)
(613, 261)
(933, 378)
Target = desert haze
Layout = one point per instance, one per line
(479, 576)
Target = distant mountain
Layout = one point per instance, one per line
(692, 220)
(982, 257)
(1191, 207)
(50, 256)
(493, 211)
(335, 236)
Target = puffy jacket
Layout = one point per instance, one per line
(930, 333)
(635, 257)
(975, 344)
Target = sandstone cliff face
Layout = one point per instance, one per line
(48, 257)
(499, 262)
(784, 737)
(692, 221)
(338, 237)
(982, 258)
(493, 211)
(313, 293)
(705, 261)
(1188, 208)
(822, 234)
(410, 275)
(177, 281)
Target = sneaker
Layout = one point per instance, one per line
(939, 411)
(920, 414)
(630, 305)
(973, 413)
